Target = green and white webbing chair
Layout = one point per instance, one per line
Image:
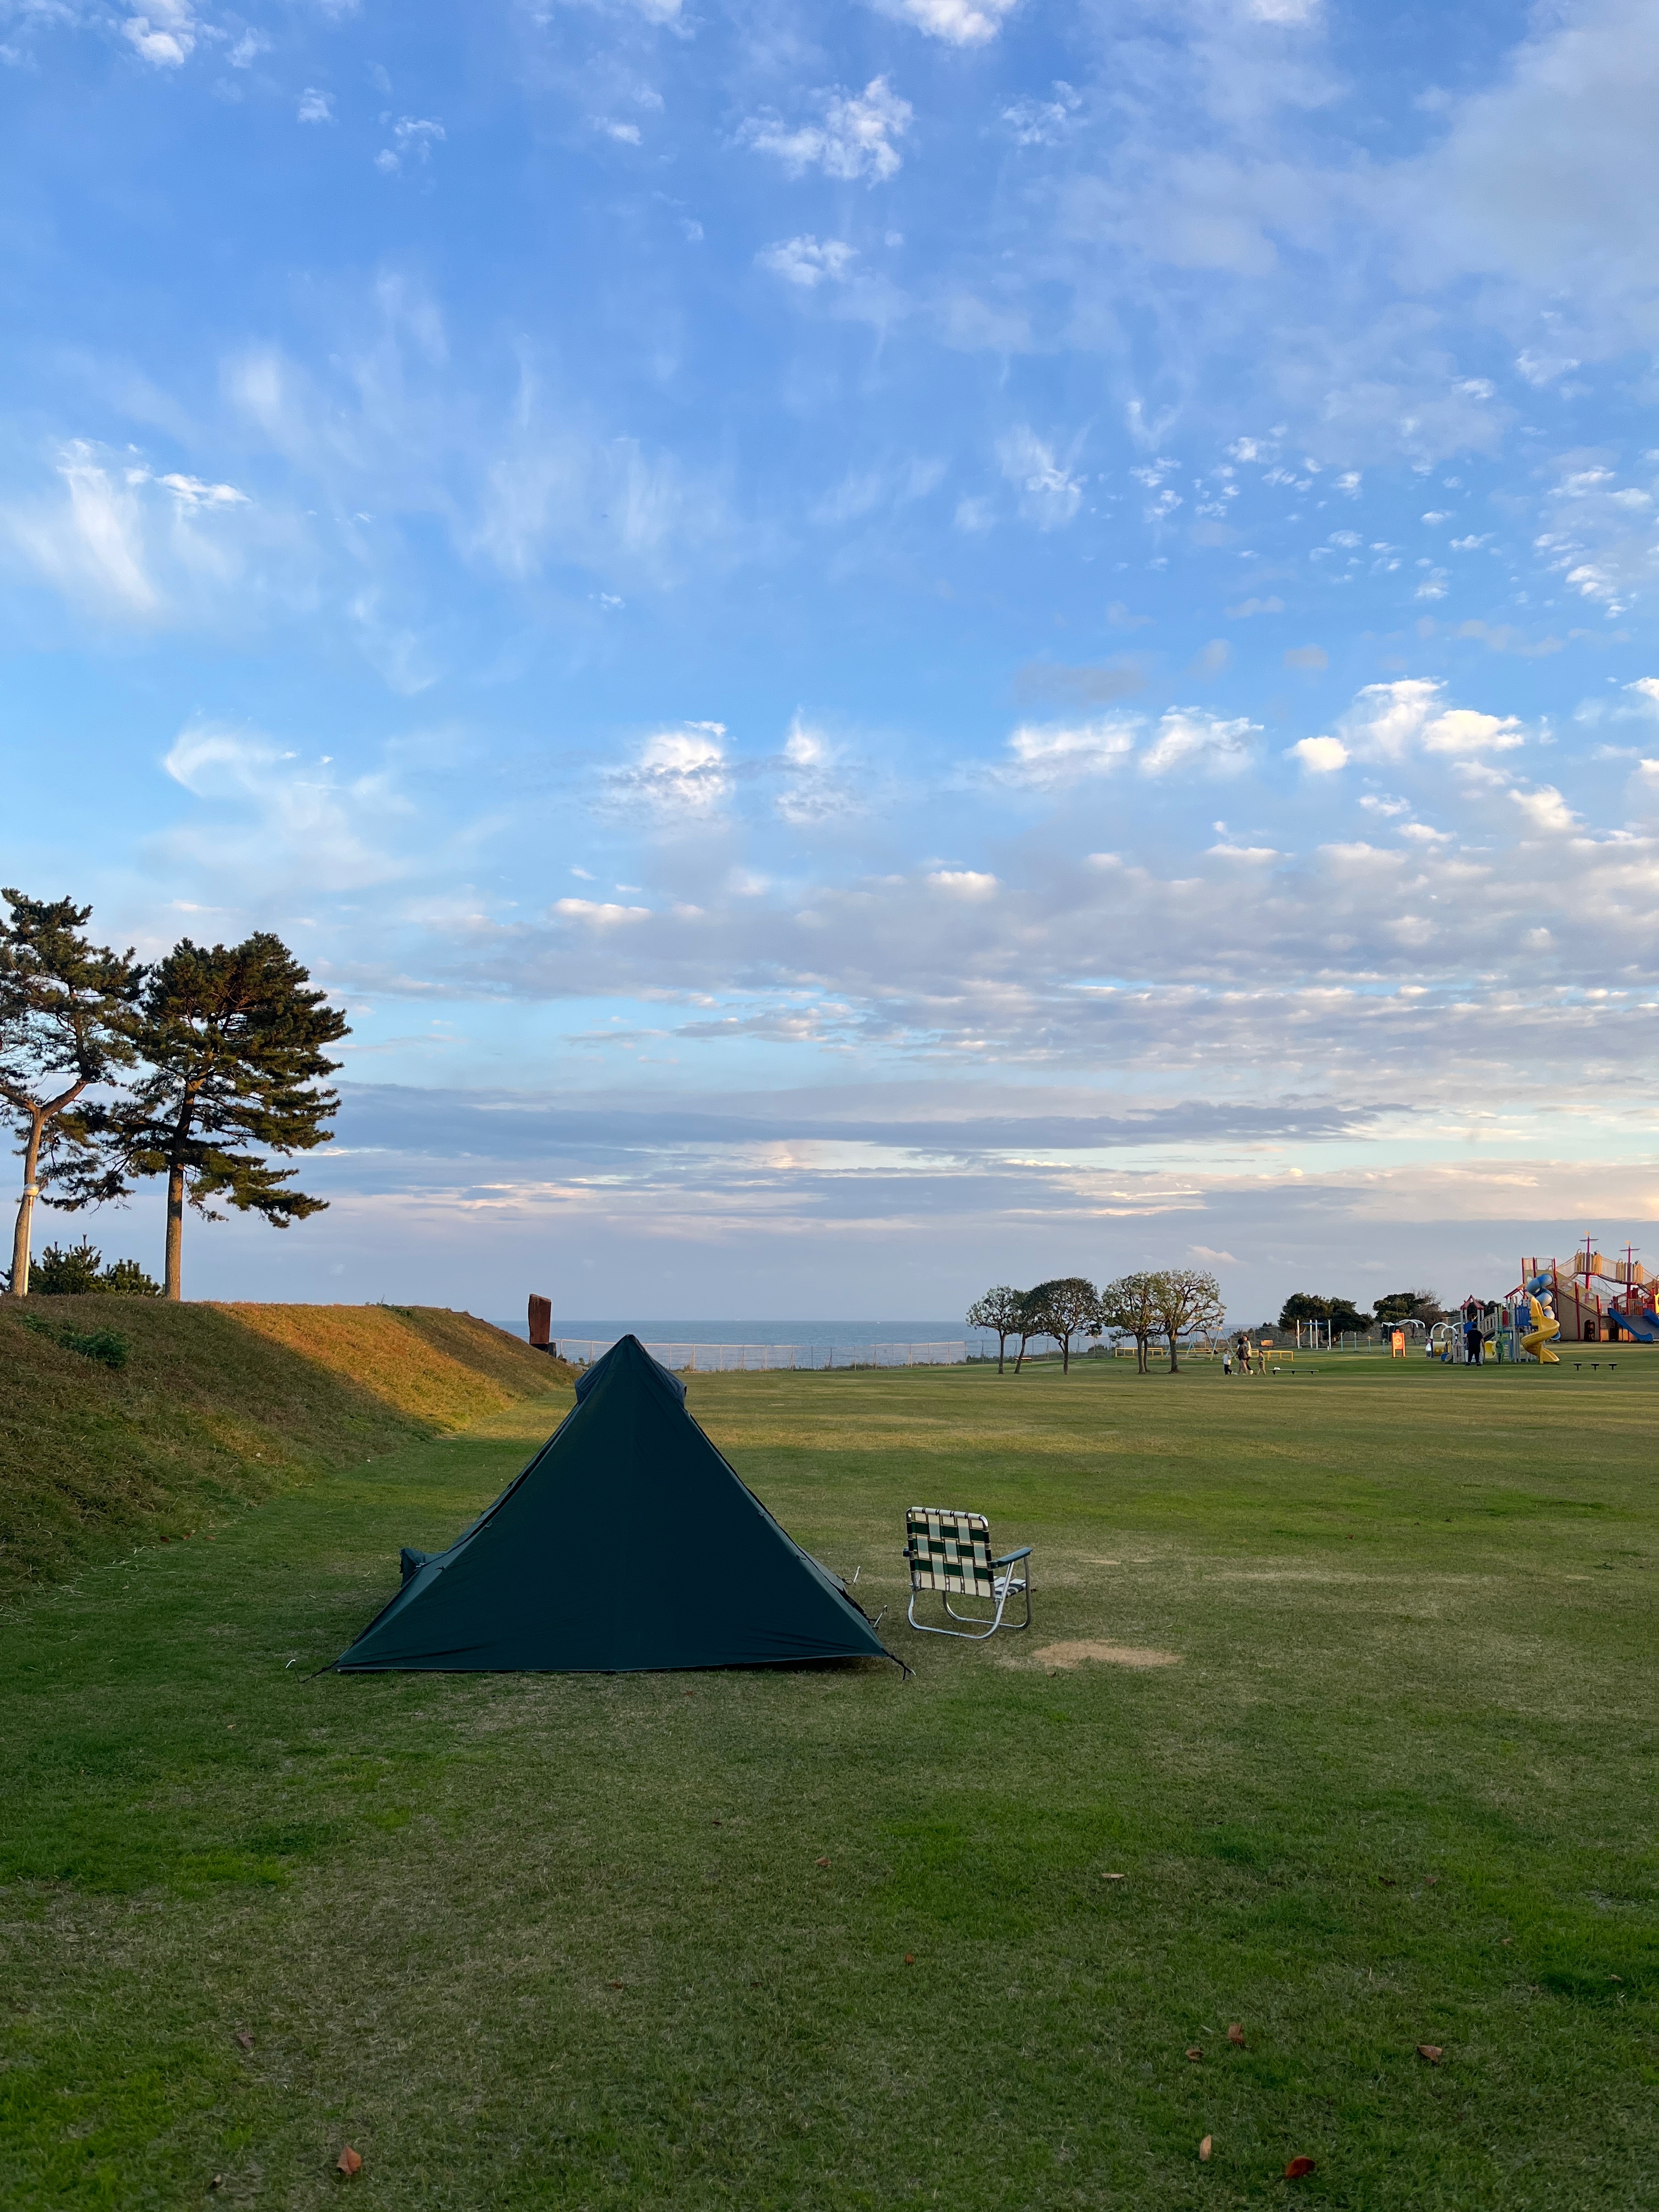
(950, 1552)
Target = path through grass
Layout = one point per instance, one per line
(569, 1941)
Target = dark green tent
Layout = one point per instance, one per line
(627, 1543)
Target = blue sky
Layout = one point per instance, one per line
(881, 648)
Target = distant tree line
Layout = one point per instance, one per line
(1344, 1317)
(1172, 1302)
(193, 1069)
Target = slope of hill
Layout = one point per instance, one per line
(210, 1408)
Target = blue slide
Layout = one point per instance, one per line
(1640, 1326)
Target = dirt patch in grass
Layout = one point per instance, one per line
(1107, 1654)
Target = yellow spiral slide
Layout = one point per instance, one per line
(1537, 1339)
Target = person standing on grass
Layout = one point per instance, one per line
(1226, 1359)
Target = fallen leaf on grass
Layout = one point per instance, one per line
(1387, 1881)
(349, 2161)
(1298, 2167)
(1432, 2052)
(909, 1958)
(1236, 2034)
(824, 1862)
(1114, 1877)
(245, 2038)
(1195, 2052)
(1205, 2148)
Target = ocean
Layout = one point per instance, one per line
(886, 1339)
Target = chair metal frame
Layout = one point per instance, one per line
(1003, 1587)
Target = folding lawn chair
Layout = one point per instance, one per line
(950, 1552)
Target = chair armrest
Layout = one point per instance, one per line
(1009, 1557)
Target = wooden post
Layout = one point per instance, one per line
(541, 1323)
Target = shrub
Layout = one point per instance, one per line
(107, 1346)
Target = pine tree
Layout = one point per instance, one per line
(232, 1042)
(66, 1020)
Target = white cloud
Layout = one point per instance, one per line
(1050, 495)
(166, 37)
(192, 492)
(958, 23)
(1052, 756)
(315, 106)
(1044, 122)
(855, 138)
(681, 773)
(1544, 180)
(279, 819)
(1461, 730)
(1541, 369)
(248, 49)
(93, 545)
(964, 883)
(808, 261)
(1545, 810)
(1320, 756)
(1189, 738)
(416, 135)
(600, 913)
(1388, 721)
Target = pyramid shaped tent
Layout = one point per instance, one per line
(628, 1543)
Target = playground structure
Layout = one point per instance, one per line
(1585, 1300)
(1594, 1300)
(1545, 1327)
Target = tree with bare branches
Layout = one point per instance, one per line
(999, 1312)
(1187, 1298)
(1130, 1305)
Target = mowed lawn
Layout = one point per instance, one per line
(828, 1939)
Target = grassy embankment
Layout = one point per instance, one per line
(216, 1408)
(830, 1940)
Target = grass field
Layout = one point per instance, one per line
(214, 1407)
(794, 1941)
